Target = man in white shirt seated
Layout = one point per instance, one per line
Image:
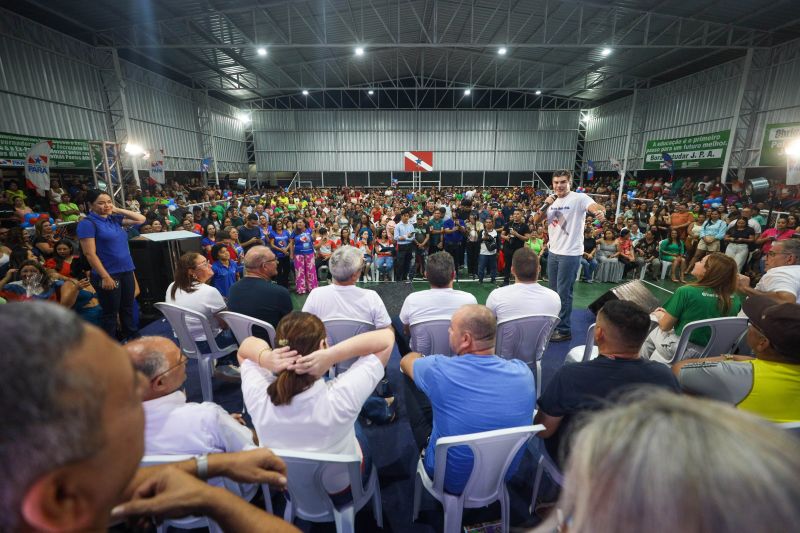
(782, 279)
(525, 297)
(343, 300)
(174, 426)
(441, 300)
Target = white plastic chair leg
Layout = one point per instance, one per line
(665, 266)
(205, 366)
(452, 513)
(537, 481)
(288, 512)
(538, 379)
(417, 497)
(345, 519)
(505, 504)
(377, 503)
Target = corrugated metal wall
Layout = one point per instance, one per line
(57, 91)
(782, 99)
(374, 140)
(701, 103)
(47, 93)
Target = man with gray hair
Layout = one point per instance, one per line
(476, 391)
(343, 300)
(71, 437)
(441, 300)
(782, 279)
(255, 295)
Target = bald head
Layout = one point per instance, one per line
(257, 256)
(159, 359)
(473, 329)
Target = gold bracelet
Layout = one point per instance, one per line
(261, 353)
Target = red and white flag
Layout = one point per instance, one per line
(418, 161)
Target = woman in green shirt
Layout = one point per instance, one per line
(713, 295)
(671, 250)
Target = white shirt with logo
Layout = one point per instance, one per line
(565, 221)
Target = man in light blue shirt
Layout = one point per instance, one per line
(404, 237)
(472, 392)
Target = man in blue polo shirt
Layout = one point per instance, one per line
(473, 392)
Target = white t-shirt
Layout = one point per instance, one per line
(206, 299)
(565, 221)
(523, 299)
(433, 304)
(347, 302)
(780, 279)
(320, 419)
(484, 250)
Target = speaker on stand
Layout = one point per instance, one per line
(633, 291)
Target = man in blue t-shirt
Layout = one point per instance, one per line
(473, 392)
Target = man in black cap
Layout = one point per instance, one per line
(169, 221)
(769, 383)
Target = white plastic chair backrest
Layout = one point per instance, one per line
(431, 337)
(177, 317)
(791, 427)
(725, 333)
(339, 330)
(304, 474)
(525, 338)
(187, 522)
(242, 326)
(493, 452)
(589, 346)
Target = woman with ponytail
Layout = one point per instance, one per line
(293, 408)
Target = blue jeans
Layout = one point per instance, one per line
(487, 262)
(223, 339)
(588, 268)
(384, 264)
(562, 270)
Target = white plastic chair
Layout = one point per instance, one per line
(431, 337)
(242, 326)
(493, 453)
(545, 464)
(339, 330)
(308, 498)
(194, 522)
(725, 333)
(177, 316)
(665, 266)
(586, 352)
(791, 427)
(526, 338)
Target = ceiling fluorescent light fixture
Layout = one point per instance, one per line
(305, 92)
(359, 51)
(502, 51)
(262, 51)
(467, 92)
(606, 52)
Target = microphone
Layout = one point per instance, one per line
(545, 206)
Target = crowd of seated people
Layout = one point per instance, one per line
(252, 246)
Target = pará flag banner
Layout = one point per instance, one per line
(616, 165)
(157, 166)
(698, 151)
(417, 161)
(37, 166)
(205, 164)
(776, 138)
(668, 163)
(792, 170)
(590, 172)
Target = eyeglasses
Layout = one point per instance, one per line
(202, 265)
(183, 360)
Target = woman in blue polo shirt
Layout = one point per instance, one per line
(104, 242)
(279, 242)
(302, 253)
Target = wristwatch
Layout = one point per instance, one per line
(202, 466)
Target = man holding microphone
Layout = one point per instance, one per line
(566, 214)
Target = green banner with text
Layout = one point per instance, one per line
(776, 138)
(66, 153)
(698, 151)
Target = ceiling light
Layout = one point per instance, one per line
(606, 52)
(538, 93)
(502, 51)
(262, 51)
(359, 51)
(305, 92)
(370, 92)
(243, 117)
(467, 92)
